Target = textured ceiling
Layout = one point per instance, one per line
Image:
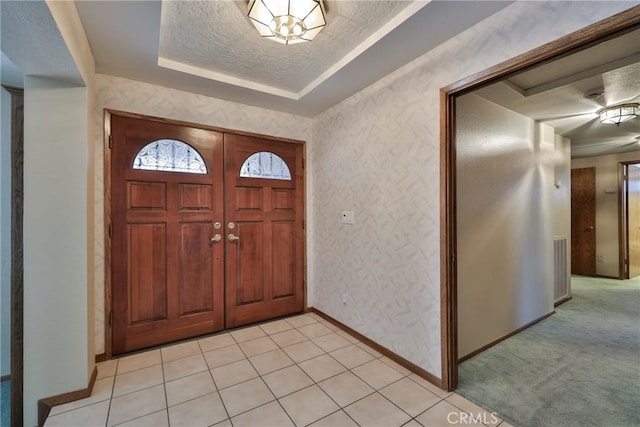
(10, 75)
(31, 40)
(556, 94)
(210, 47)
(205, 35)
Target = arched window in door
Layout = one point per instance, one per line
(170, 155)
(265, 165)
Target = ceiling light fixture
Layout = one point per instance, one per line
(617, 114)
(288, 21)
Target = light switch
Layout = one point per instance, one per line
(347, 217)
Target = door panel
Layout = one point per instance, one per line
(147, 269)
(265, 266)
(583, 221)
(283, 272)
(249, 251)
(196, 268)
(146, 195)
(167, 274)
(195, 197)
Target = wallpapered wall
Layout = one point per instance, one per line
(377, 154)
(143, 98)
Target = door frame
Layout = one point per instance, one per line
(593, 34)
(107, 181)
(16, 329)
(623, 220)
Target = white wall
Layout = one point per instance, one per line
(68, 22)
(562, 195)
(143, 98)
(505, 173)
(378, 153)
(5, 232)
(607, 216)
(56, 348)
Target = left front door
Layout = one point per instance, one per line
(167, 248)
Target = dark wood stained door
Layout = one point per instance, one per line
(193, 253)
(167, 272)
(583, 221)
(264, 265)
(633, 218)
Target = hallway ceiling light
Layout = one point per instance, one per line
(287, 21)
(617, 114)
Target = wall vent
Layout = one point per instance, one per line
(561, 274)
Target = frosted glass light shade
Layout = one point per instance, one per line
(287, 21)
(617, 114)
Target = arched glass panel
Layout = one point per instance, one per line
(265, 165)
(170, 155)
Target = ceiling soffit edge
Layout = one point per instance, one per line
(362, 47)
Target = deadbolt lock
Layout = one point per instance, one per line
(231, 226)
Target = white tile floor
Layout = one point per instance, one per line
(294, 372)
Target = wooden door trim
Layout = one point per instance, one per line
(107, 180)
(108, 332)
(17, 261)
(623, 217)
(593, 34)
(200, 126)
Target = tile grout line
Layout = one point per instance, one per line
(214, 383)
(262, 379)
(340, 407)
(307, 339)
(164, 387)
(375, 391)
(113, 387)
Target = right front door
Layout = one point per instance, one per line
(264, 225)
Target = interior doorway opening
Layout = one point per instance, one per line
(605, 30)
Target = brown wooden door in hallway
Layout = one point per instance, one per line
(182, 264)
(633, 218)
(583, 221)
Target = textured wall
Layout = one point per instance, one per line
(607, 217)
(143, 98)
(505, 221)
(562, 195)
(377, 153)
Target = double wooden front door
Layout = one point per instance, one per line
(205, 234)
